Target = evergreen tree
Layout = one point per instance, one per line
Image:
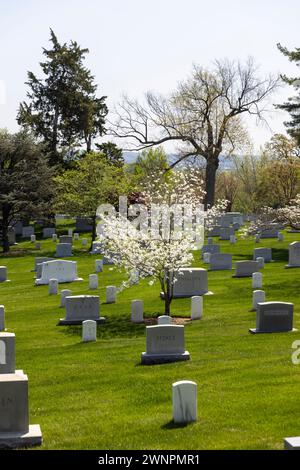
(63, 110)
(25, 181)
(292, 106)
(112, 153)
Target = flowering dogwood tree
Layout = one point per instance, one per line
(290, 215)
(160, 240)
(266, 220)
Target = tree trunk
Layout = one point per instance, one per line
(212, 164)
(94, 229)
(4, 233)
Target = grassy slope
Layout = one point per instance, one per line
(97, 396)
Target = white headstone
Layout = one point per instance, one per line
(32, 238)
(93, 281)
(164, 343)
(206, 258)
(258, 296)
(280, 237)
(98, 265)
(257, 280)
(257, 238)
(164, 320)
(111, 294)
(196, 307)
(63, 294)
(2, 318)
(63, 271)
(89, 331)
(70, 232)
(137, 311)
(294, 255)
(261, 262)
(232, 239)
(54, 237)
(76, 236)
(84, 242)
(53, 287)
(184, 395)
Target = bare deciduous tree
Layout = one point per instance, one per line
(203, 114)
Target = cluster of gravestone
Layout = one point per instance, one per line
(15, 430)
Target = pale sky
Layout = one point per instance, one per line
(138, 45)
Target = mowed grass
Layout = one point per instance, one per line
(98, 396)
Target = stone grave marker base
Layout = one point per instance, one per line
(255, 331)
(151, 359)
(13, 440)
(64, 322)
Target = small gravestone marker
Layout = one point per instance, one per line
(210, 241)
(206, 258)
(70, 232)
(184, 394)
(164, 343)
(111, 294)
(196, 307)
(261, 262)
(98, 265)
(257, 280)
(137, 311)
(54, 237)
(3, 274)
(84, 242)
(280, 237)
(37, 246)
(257, 297)
(164, 320)
(76, 236)
(53, 286)
(257, 238)
(274, 317)
(7, 353)
(32, 238)
(2, 318)
(93, 281)
(232, 239)
(64, 293)
(89, 331)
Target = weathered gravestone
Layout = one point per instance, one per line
(246, 268)
(137, 311)
(220, 261)
(15, 431)
(258, 296)
(63, 250)
(93, 281)
(63, 294)
(190, 282)
(89, 331)
(294, 255)
(32, 238)
(274, 317)
(3, 274)
(11, 236)
(210, 249)
(261, 262)
(215, 231)
(257, 280)
(66, 239)
(270, 233)
(99, 265)
(80, 308)
(63, 271)
(54, 237)
(48, 232)
(76, 236)
(265, 253)
(184, 395)
(27, 231)
(53, 287)
(164, 343)
(97, 248)
(226, 233)
(111, 294)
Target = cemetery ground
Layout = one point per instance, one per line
(98, 396)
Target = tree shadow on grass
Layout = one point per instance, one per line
(280, 254)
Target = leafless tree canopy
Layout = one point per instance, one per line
(203, 112)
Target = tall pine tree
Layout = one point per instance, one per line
(292, 106)
(63, 110)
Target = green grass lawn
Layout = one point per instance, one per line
(98, 396)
